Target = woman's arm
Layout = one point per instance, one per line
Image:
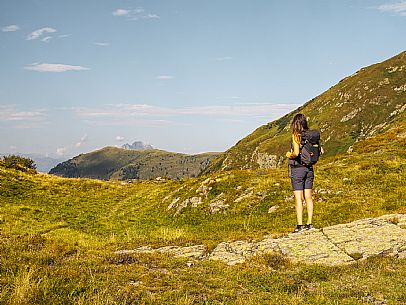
(296, 149)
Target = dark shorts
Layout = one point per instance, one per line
(301, 177)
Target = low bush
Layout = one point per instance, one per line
(19, 163)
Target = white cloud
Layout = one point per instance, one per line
(132, 122)
(253, 109)
(151, 16)
(53, 67)
(119, 138)
(82, 140)
(134, 14)
(38, 33)
(64, 35)
(15, 118)
(101, 44)
(223, 58)
(60, 151)
(231, 120)
(234, 97)
(10, 113)
(396, 8)
(164, 77)
(149, 115)
(24, 115)
(46, 39)
(10, 28)
(121, 12)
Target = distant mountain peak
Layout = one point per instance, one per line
(138, 145)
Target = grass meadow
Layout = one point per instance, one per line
(58, 235)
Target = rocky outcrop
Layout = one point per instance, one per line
(233, 252)
(370, 237)
(192, 251)
(310, 246)
(334, 245)
(137, 145)
(218, 204)
(265, 160)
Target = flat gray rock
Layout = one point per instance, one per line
(334, 245)
(312, 247)
(233, 252)
(368, 237)
(196, 251)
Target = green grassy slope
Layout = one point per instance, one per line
(344, 184)
(58, 235)
(117, 163)
(359, 106)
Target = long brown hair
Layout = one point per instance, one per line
(299, 124)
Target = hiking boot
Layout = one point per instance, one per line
(308, 227)
(298, 228)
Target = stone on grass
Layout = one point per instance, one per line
(334, 245)
(218, 206)
(273, 208)
(196, 251)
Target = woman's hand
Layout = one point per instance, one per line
(288, 154)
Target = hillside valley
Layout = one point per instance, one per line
(108, 241)
(63, 234)
(362, 105)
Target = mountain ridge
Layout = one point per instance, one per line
(359, 106)
(119, 164)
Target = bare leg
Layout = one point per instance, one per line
(309, 204)
(299, 206)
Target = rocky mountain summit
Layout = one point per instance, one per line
(137, 145)
(333, 245)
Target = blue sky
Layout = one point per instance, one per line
(185, 76)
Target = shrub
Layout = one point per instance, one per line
(19, 163)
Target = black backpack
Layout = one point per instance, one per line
(310, 147)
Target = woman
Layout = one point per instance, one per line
(301, 176)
